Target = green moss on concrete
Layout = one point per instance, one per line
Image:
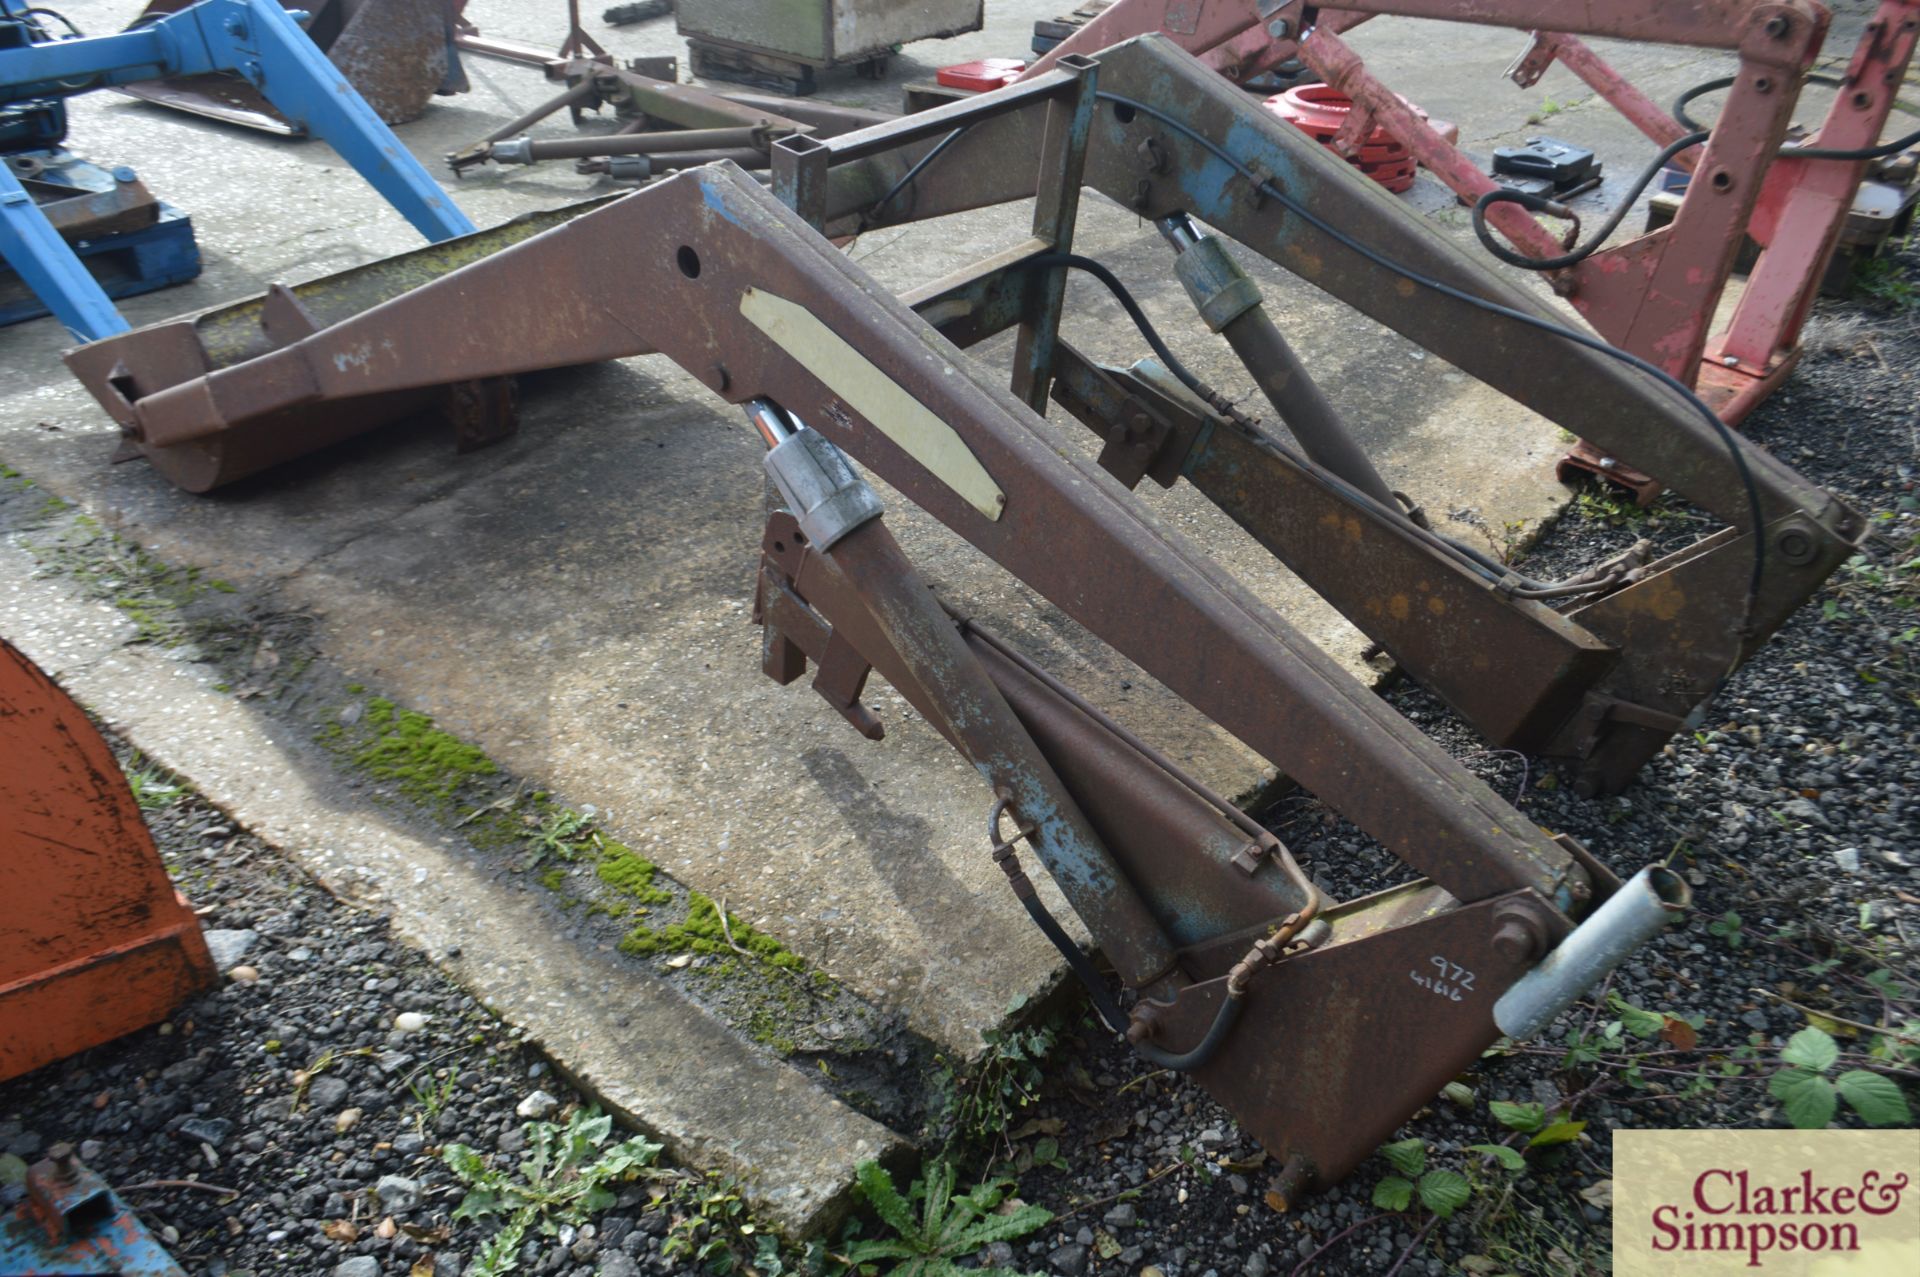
(630, 874)
(429, 765)
(702, 933)
(555, 878)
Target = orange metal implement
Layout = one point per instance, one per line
(94, 941)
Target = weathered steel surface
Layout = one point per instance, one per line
(94, 942)
(1365, 1028)
(1655, 295)
(695, 247)
(394, 52)
(1538, 694)
(897, 620)
(123, 371)
(71, 1224)
(1174, 848)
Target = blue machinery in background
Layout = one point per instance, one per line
(256, 38)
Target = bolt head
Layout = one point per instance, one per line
(1512, 942)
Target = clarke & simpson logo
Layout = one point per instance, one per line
(1727, 1212)
(1780, 1202)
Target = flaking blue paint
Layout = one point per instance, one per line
(715, 197)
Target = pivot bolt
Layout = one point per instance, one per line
(65, 1166)
(1795, 545)
(1517, 935)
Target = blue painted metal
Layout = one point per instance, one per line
(256, 38)
(72, 1225)
(50, 268)
(125, 264)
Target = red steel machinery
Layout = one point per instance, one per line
(1656, 295)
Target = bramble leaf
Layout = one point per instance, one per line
(1637, 1021)
(1393, 1193)
(1558, 1133)
(1875, 1098)
(1511, 1158)
(1409, 1157)
(1811, 1049)
(1518, 1116)
(1808, 1098)
(1444, 1192)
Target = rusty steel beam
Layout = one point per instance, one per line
(1598, 689)
(781, 304)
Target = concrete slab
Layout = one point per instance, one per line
(660, 1062)
(574, 600)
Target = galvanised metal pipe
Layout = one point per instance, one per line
(1629, 918)
(526, 150)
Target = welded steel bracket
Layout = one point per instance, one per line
(73, 1225)
(1518, 668)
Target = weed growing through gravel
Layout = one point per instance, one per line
(1810, 1099)
(563, 834)
(712, 1228)
(948, 1226)
(1882, 280)
(432, 1094)
(563, 1180)
(154, 788)
(975, 1105)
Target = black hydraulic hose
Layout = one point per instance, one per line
(1110, 1013)
(63, 19)
(1121, 294)
(1266, 186)
(1884, 149)
(1082, 967)
(1541, 204)
(1187, 1061)
(906, 179)
(1109, 1010)
(1478, 562)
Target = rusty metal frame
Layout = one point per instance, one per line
(656, 114)
(1606, 683)
(1656, 295)
(1209, 922)
(1632, 677)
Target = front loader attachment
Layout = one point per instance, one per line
(1320, 1024)
(94, 941)
(397, 54)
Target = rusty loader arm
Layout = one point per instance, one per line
(1321, 1024)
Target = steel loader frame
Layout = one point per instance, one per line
(1654, 295)
(1320, 1025)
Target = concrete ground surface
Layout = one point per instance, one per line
(574, 601)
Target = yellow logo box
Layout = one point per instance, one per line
(1782, 1203)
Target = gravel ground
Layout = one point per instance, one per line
(1794, 808)
(321, 1081)
(300, 1084)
